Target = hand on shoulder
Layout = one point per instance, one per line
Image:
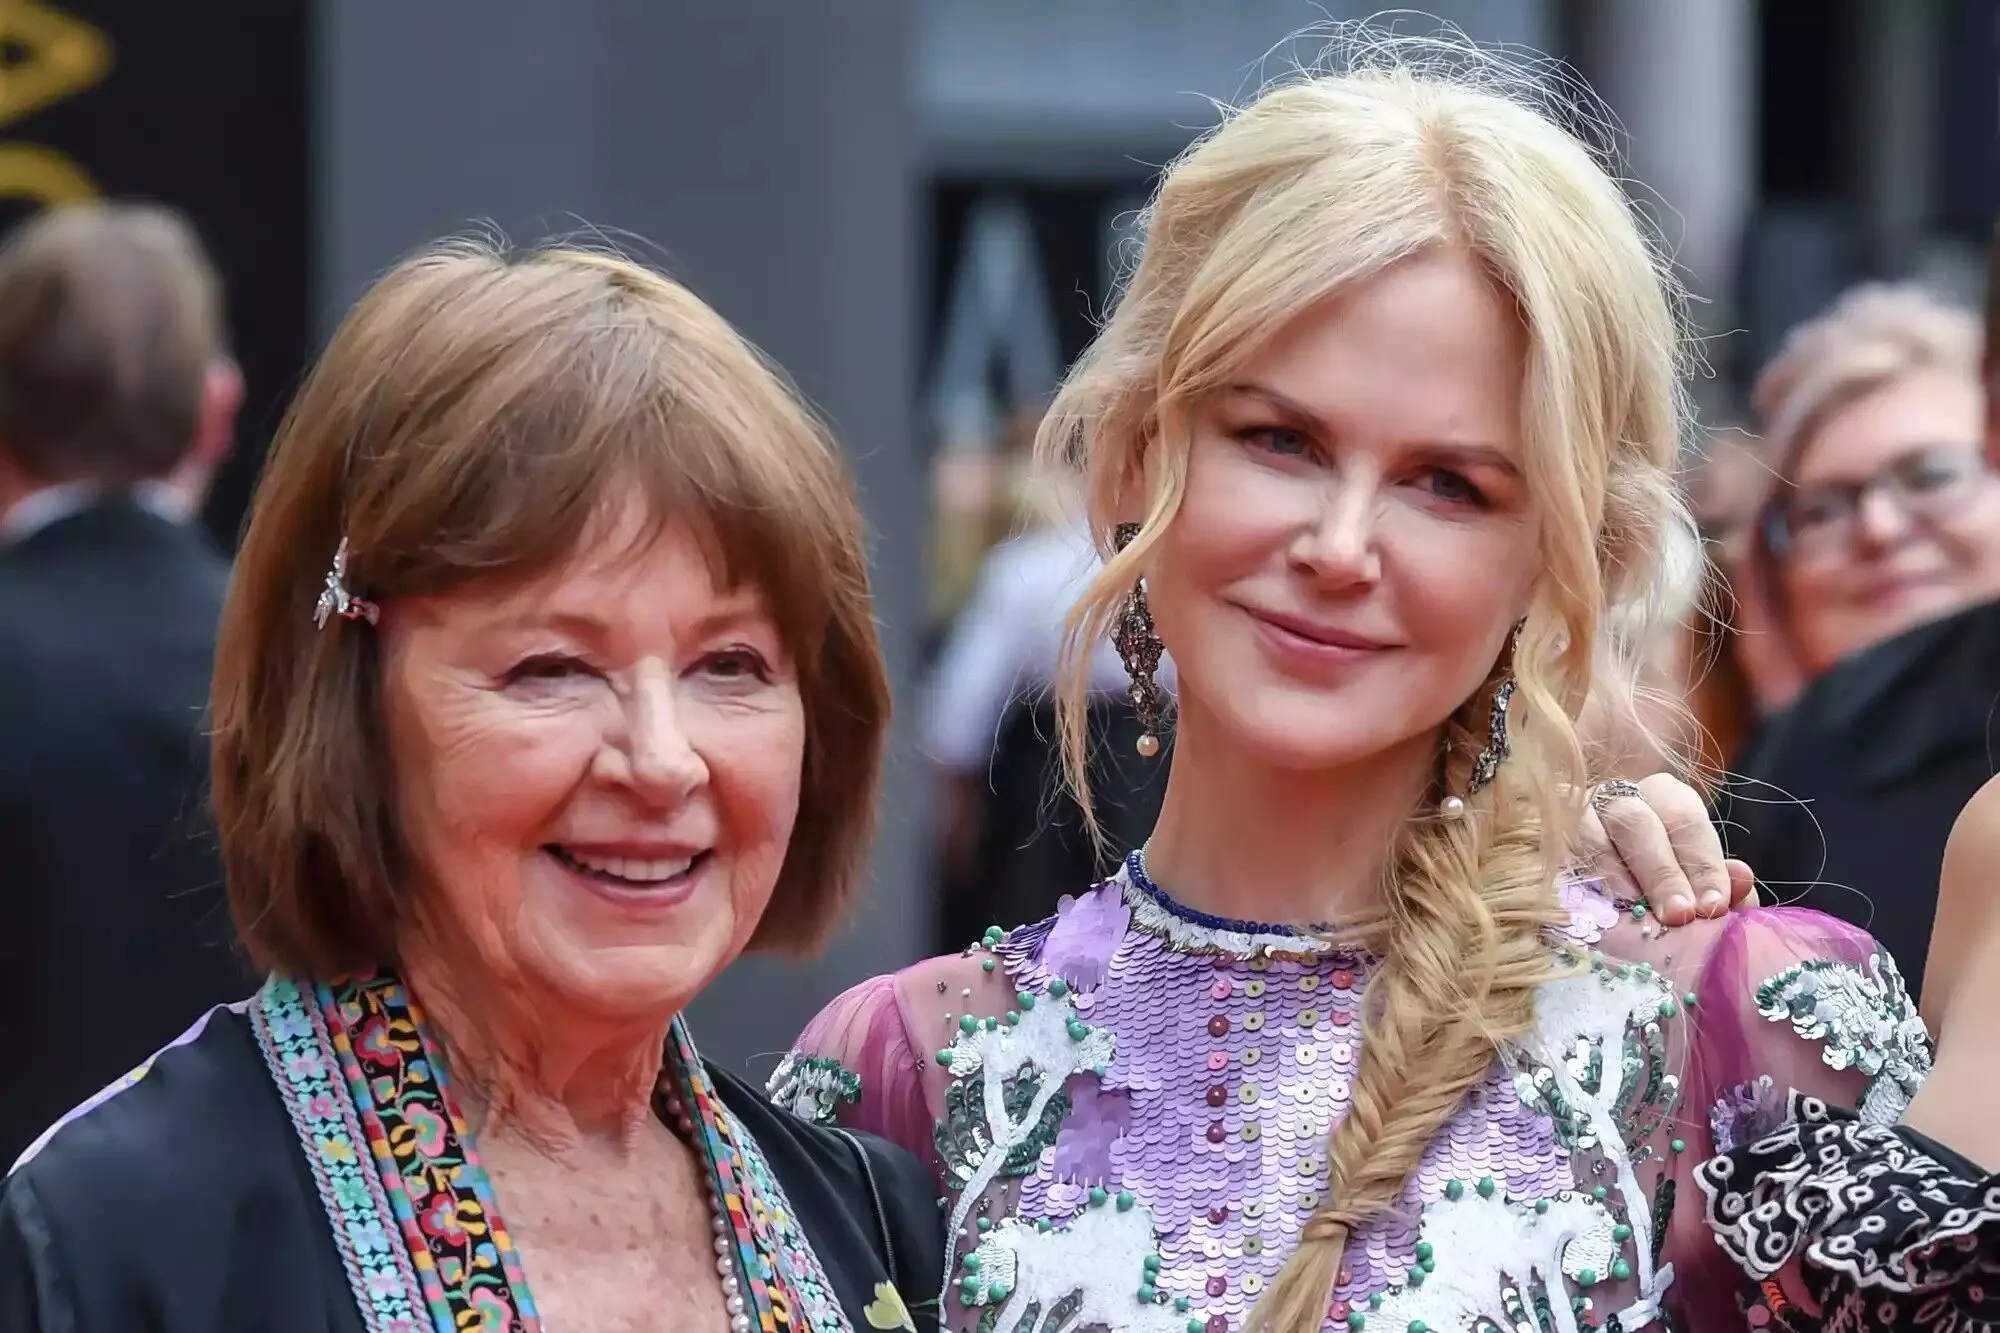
(1655, 840)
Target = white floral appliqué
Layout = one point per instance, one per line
(1044, 1044)
(1496, 1249)
(1863, 1019)
(1088, 1269)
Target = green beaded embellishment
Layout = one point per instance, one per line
(961, 1136)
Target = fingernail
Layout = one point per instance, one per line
(1679, 903)
(1711, 901)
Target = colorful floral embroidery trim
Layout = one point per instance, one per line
(423, 1153)
(783, 1284)
(299, 1053)
(413, 1212)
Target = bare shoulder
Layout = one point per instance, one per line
(1967, 911)
(1975, 835)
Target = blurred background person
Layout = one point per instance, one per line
(117, 401)
(1010, 839)
(979, 498)
(1884, 529)
(1883, 515)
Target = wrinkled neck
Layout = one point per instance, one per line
(530, 1068)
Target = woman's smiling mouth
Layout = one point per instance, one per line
(628, 874)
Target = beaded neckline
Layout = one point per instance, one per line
(1135, 866)
(1155, 912)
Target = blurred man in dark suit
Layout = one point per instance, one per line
(1845, 799)
(117, 401)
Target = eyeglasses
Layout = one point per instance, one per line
(1819, 520)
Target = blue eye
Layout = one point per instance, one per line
(1452, 487)
(1281, 440)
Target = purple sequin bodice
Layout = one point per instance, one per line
(1127, 1107)
(1229, 1072)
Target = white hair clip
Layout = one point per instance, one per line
(337, 600)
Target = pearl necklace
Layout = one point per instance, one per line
(724, 1242)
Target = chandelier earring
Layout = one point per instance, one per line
(1498, 746)
(1139, 648)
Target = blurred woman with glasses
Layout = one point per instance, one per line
(1877, 557)
(1884, 515)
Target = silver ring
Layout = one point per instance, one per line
(1616, 789)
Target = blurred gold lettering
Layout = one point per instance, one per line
(58, 57)
(42, 175)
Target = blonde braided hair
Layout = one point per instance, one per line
(1321, 183)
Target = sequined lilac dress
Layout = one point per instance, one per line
(1127, 1107)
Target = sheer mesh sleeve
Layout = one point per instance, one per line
(1792, 1000)
(1808, 1208)
(869, 1060)
(854, 1065)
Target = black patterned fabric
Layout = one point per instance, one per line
(1871, 1226)
(179, 1202)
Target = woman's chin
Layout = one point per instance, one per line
(1299, 740)
(619, 952)
(621, 977)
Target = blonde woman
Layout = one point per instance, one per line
(1377, 439)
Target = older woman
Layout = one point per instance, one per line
(1885, 515)
(1879, 543)
(547, 685)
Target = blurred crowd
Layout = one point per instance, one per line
(1828, 676)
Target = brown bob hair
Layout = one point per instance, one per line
(472, 414)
